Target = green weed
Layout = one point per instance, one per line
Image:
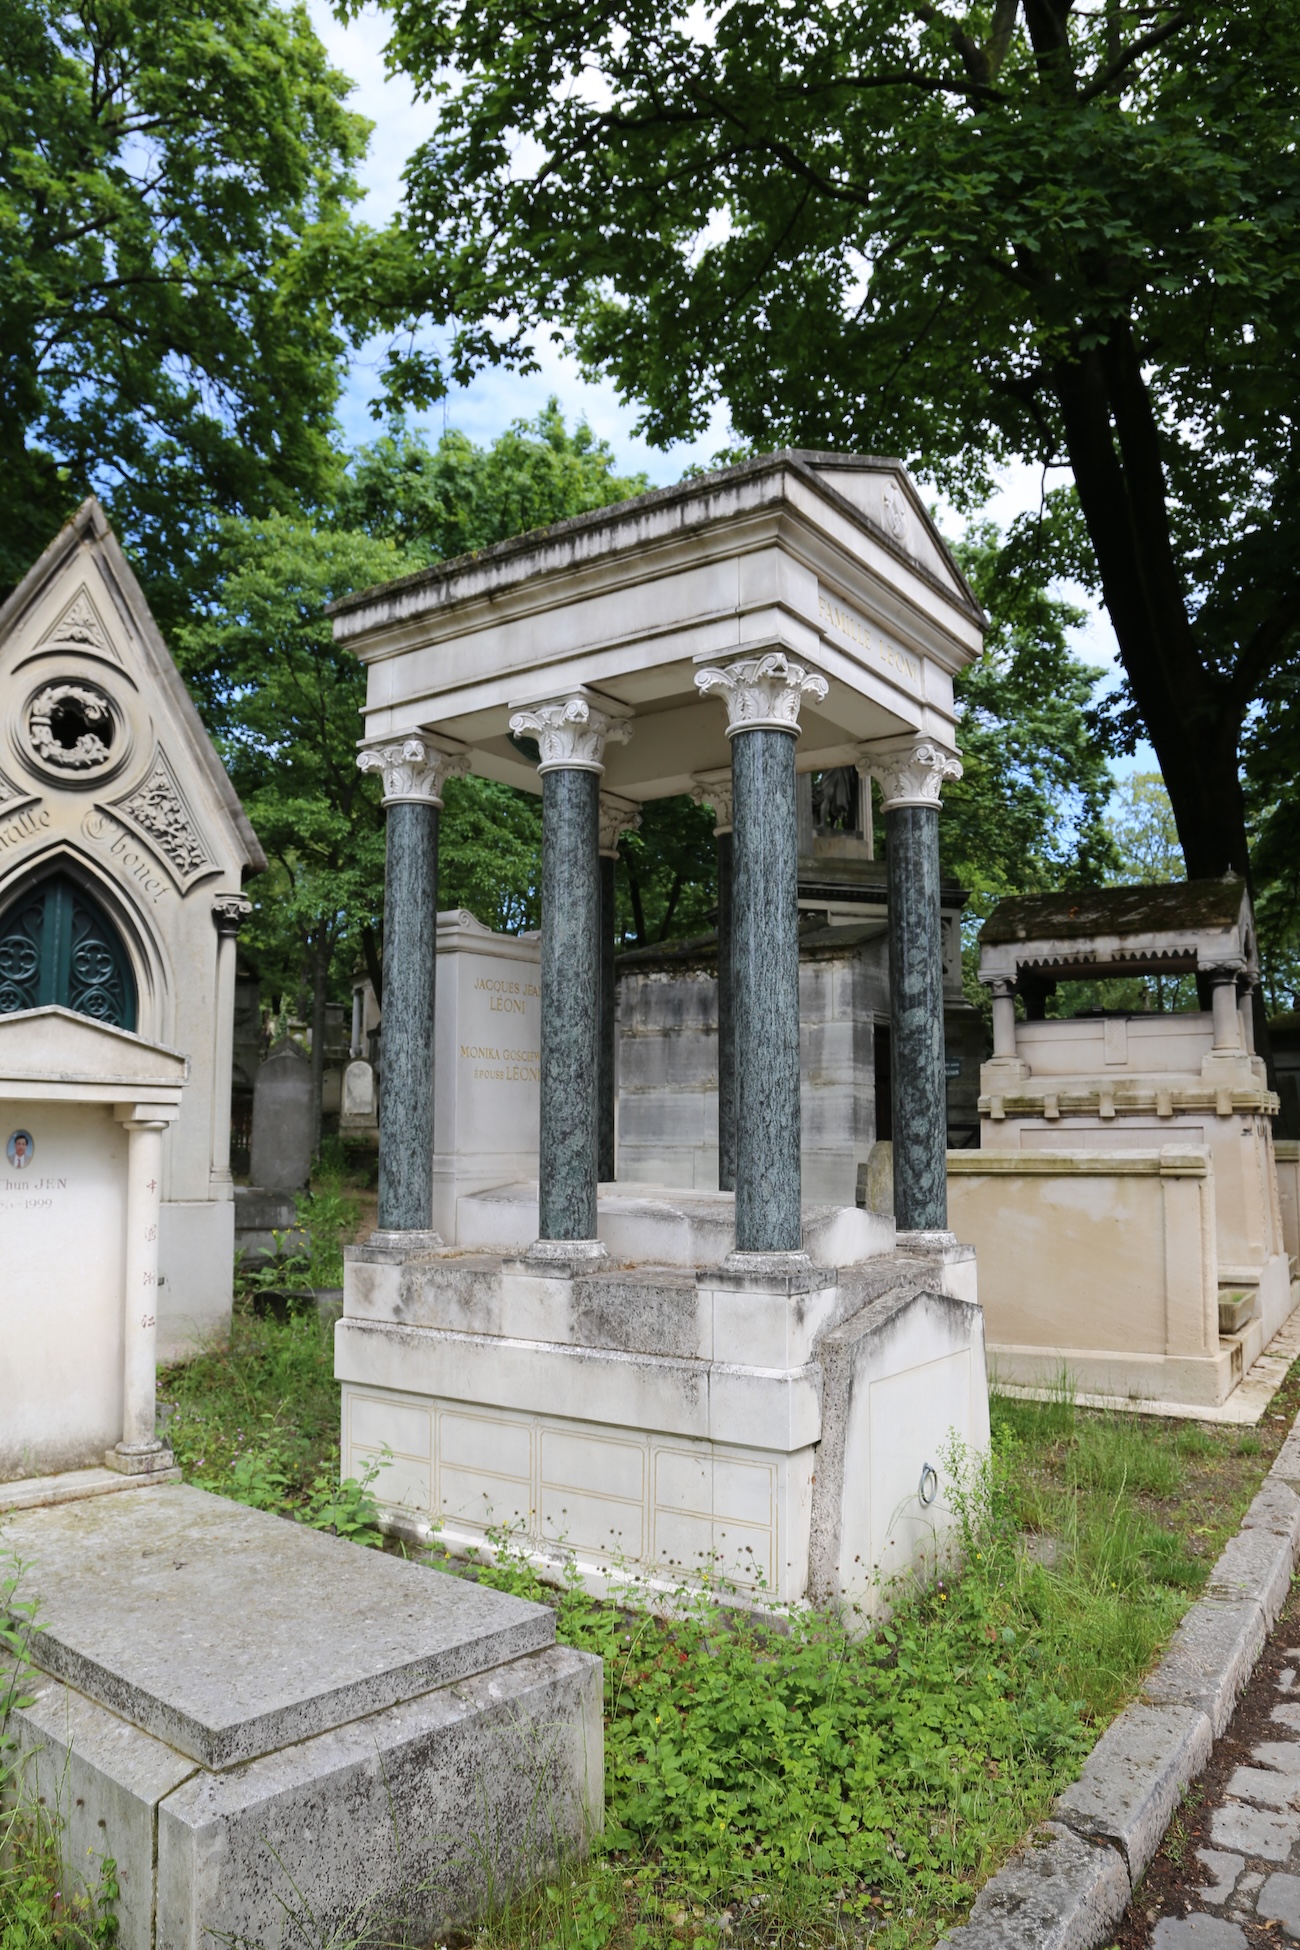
(778, 1786)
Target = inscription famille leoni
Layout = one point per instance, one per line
(860, 632)
(506, 997)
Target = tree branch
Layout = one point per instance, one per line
(1114, 69)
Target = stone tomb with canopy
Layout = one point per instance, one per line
(1125, 1193)
(769, 1395)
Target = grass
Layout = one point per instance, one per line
(796, 1786)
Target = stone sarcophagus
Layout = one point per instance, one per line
(1124, 1199)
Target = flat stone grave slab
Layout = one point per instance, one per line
(229, 1633)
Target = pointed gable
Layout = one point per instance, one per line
(91, 700)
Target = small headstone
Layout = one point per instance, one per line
(360, 1101)
(876, 1179)
(283, 1121)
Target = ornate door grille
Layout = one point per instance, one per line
(58, 945)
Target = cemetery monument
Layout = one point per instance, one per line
(1125, 1196)
(725, 1380)
(123, 851)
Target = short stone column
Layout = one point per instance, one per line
(571, 734)
(140, 1453)
(617, 816)
(1223, 1006)
(911, 773)
(763, 696)
(1004, 1017)
(715, 789)
(228, 912)
(415, 771)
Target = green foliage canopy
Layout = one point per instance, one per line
(177, 262)
(961, 231)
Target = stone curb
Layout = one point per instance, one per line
(1068, 1885)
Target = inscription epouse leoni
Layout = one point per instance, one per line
(123, 850)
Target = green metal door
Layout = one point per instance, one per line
(58, 945)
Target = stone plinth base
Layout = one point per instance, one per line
(659, 1225)
(266, 1727)
(660, 1425)
(1103, 1265)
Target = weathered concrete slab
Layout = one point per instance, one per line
(103, 1780)
(424, 1815)
(1256, 1564)
(1210, 1658)
(1058, 1892)
(228, 1633)
(1134, 1776)
(70, 1485)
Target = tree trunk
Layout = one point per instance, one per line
(320, 974)
(1191, 715)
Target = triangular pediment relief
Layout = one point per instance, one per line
(890, 502)
(80, 627)
(158, 810)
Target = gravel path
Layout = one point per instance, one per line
(1228, 1874)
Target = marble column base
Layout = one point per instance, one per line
(926, 1242)
(406, 1244)
(139, 1458)
(564, 1253)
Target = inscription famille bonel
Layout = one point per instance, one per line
(508, 1065)
(25, 825)
(859, 632)
(505, 996)
(136, 865)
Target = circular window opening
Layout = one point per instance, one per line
(72, 727)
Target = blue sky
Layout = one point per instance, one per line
(486, 408)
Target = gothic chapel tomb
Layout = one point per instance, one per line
(123, 849)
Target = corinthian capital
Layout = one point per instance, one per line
(911, 771)
(714, 789)
(571, 733)
(762, 693)
(415, 770)
(617, 816)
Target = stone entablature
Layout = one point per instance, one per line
(110, 786)
(787, 554)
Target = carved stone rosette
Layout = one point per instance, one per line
(230, 911)
(617, 816)
(763, 693)
(912, 774)
(571, 733)
(414, 770)
(715, 789)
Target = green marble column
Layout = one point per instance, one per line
(726, 1021)
(605, 1162)
(410, 961)
(765, 990)
(571, 955)
(919, 1091)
